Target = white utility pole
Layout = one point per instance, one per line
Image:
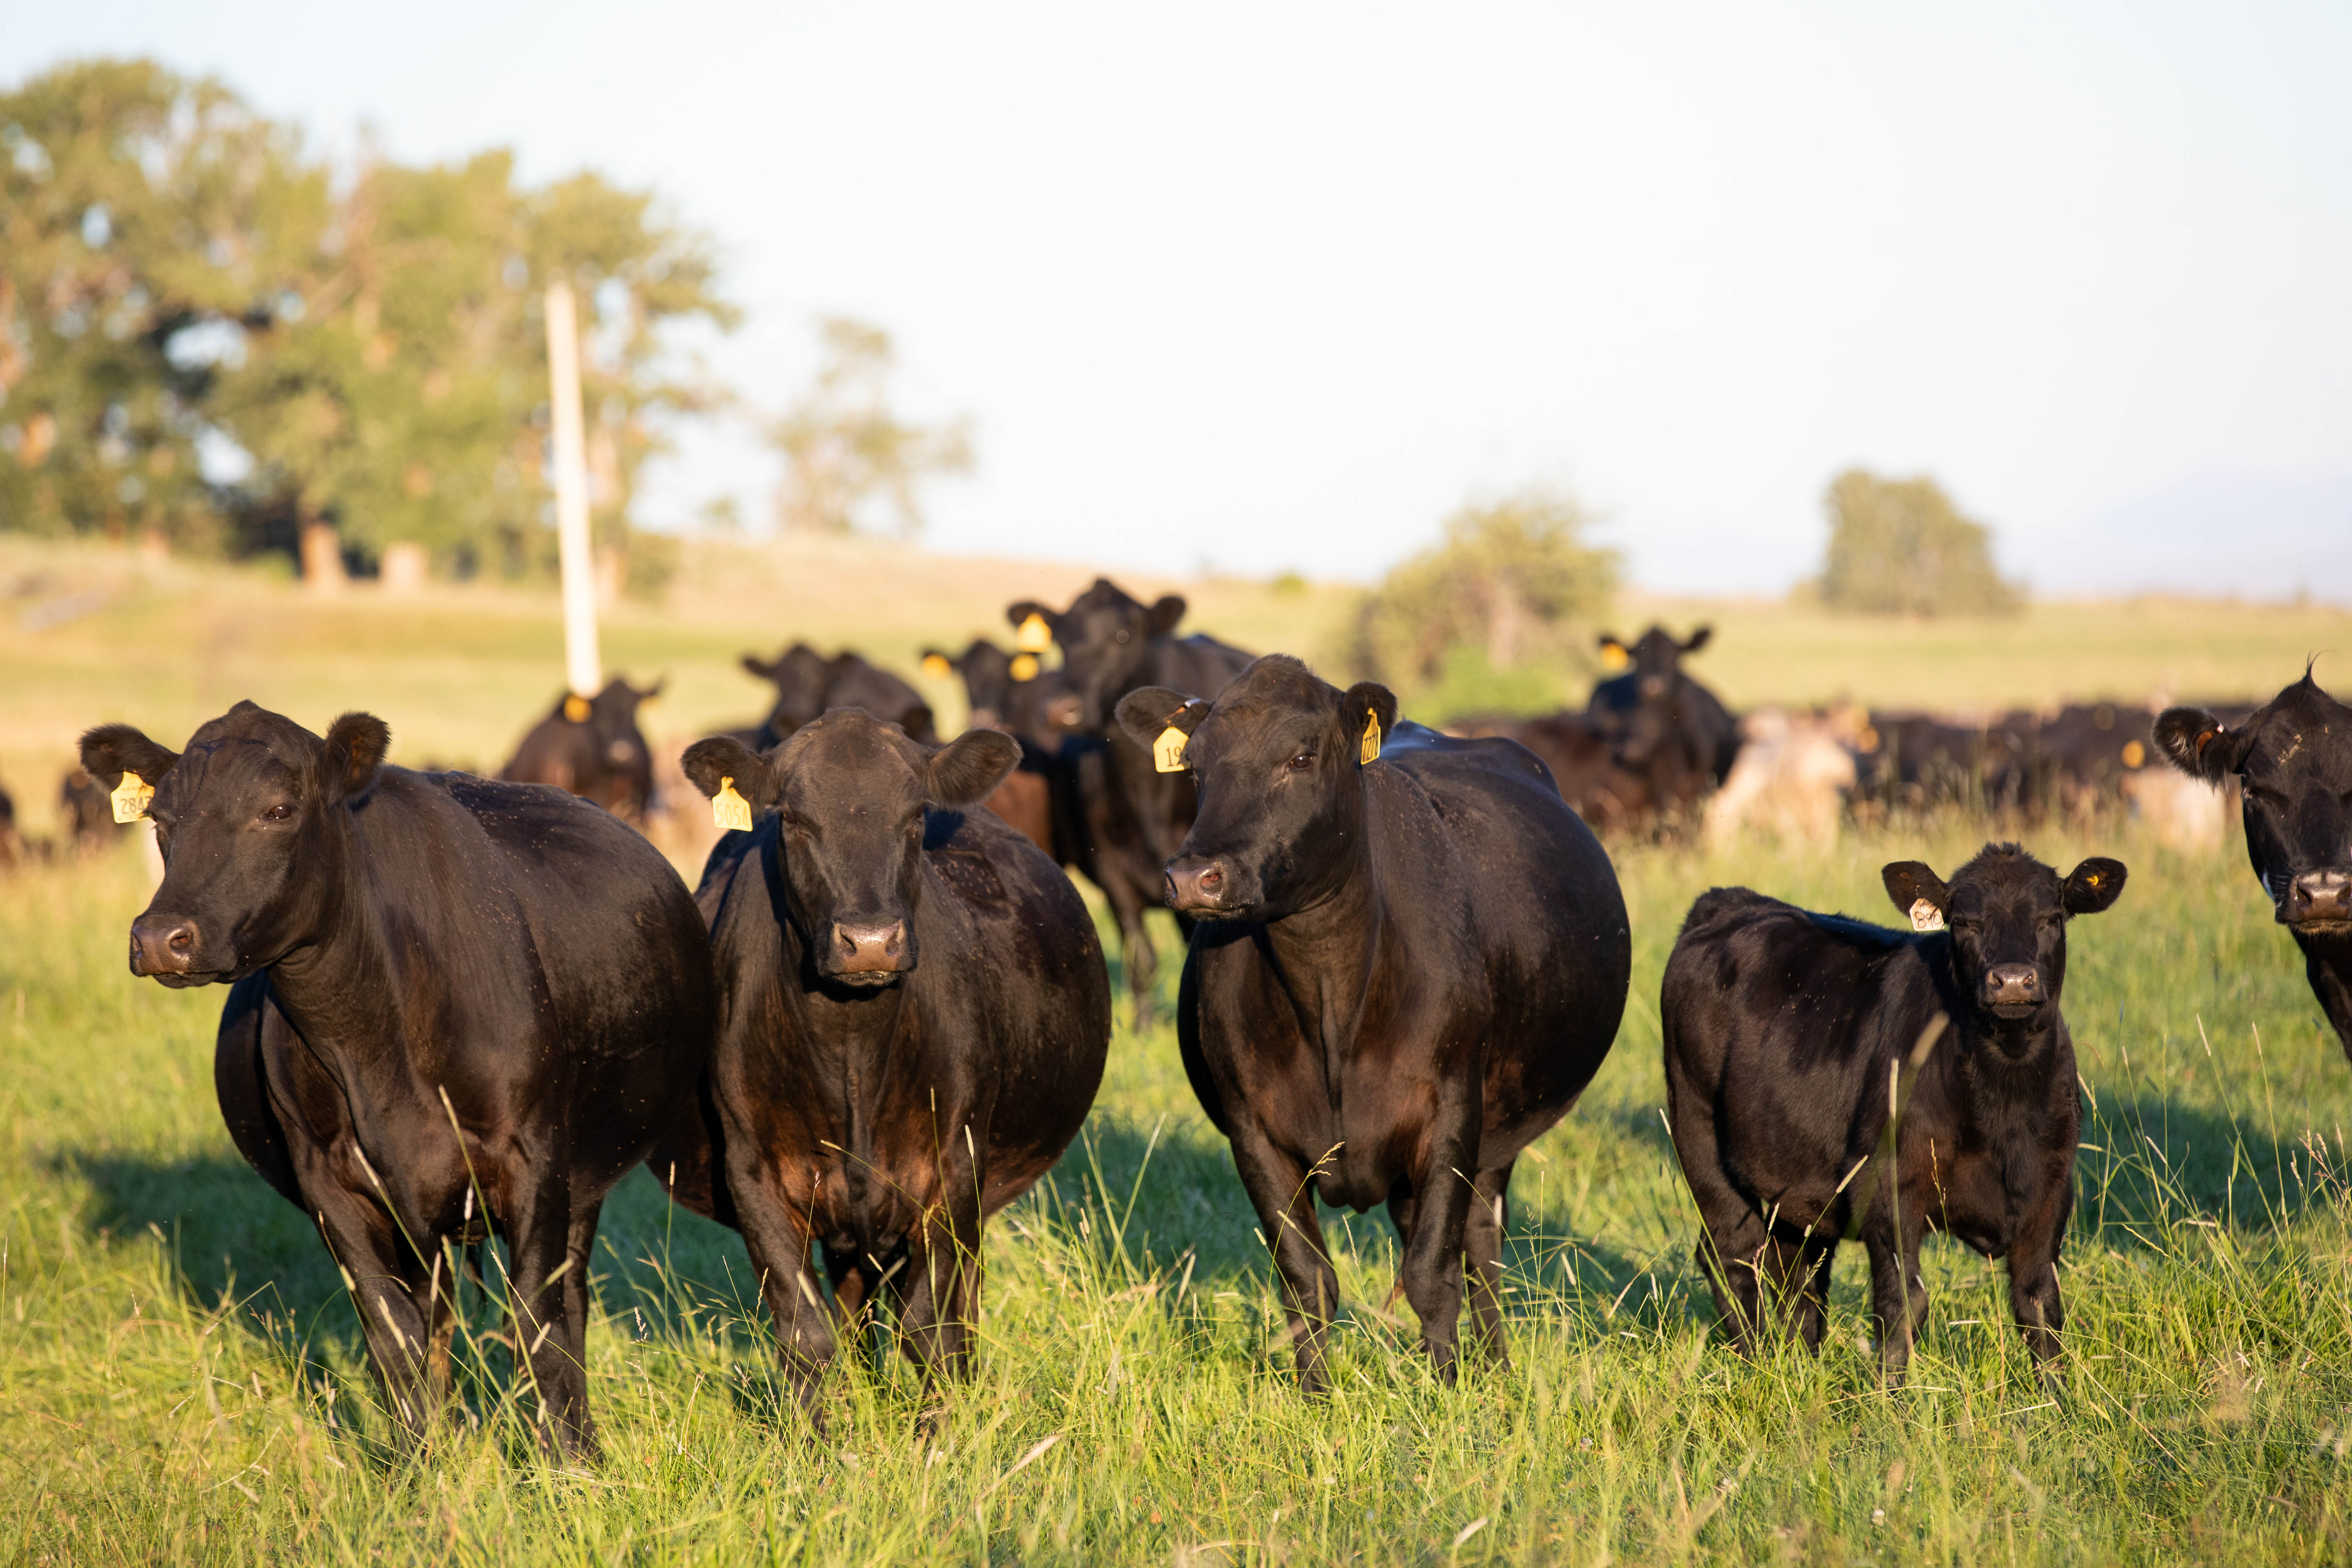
(582, 664)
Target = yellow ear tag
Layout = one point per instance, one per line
(2134, 754)
(1926, 916)
(1023, 667)
(1369, 752)
(131, 798)
(1168, 752)
(1034, 636)
(937, 666)
(728, 809)
(575, 708)
(1613, 657)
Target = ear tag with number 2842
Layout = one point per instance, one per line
(1926, 916)
(728, 809)
(131, 798)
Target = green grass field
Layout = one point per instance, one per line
(180, 1371)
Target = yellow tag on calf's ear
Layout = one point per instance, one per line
(1034, 636)
(1614, 658)
(575, 708)
(1370, 751)
(728, 809)
(1168, 752)
(131, 798)
(2134, 754)
(1024, 668)
(1926, 916)
(937, 666)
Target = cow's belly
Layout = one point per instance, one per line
(1967, 1201)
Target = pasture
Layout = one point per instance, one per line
(181, 1377)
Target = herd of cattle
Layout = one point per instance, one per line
(463, 1008)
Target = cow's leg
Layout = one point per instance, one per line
(1482, 1244)
(778, 1248)
(440, 1295)
(549, 1306)
(1435, 1256)
(1812, 1308)
(2033, 1276)
(939, 1307)
(1794, 1274)
(1140, 958)
(1277, 1188)
(1898, 1293)
(366, 1246)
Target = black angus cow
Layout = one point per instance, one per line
(1784, 1033)
(1133, 815)
(808, 683)
(1584, 768)
(913, 1016)
(459, 1007)
(1409, 968)
(2293, 760)
(89, 814)
(1013, 694)
(1663, 725)
(592, 748)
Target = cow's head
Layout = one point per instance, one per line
(1105, 636)
(1656, 660)
(2008, 914)
(987, 672)
(852, 797)
(799, 674)
(248, 818)
(2293, 760)
(613, 719)
(1278, 757)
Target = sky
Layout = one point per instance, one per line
(1268, 287)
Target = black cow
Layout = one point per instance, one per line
(913, 1015)
(1133, 815)
(1610, 798)
(1413, 967)
(1664, 724)
(1785, 1032)
(592, 748)
(458, 1007)
(808, 683)
(2293, 760)
(89, 814)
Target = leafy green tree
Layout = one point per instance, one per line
(845, 452)
(1899, 547)
(1489, 616)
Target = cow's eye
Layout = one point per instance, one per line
(1301, 762)
(278, 813)
(1122, 634)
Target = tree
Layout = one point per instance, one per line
(1504, 588)
(845, 450)
(1899, 547)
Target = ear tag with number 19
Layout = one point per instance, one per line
(728, 809)
(1370, 751)
(1926, 916)
(1168, 752)
(131, 798)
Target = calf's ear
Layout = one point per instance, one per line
(1147, 710)
(1367, 699)
(709, 764)
(1699, 639)
(1908, 881)
(1166, 614)
(760, 668)
(967, 769)
(2194, 742)
(2093, 885)
(353, 751)
(112, 750)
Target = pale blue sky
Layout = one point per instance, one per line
(1277, 286)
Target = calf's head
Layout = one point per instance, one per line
(1105, 636)
(248, 819)
(1277, 760)
(852, 796)
(987, 672)
(2008, 914)
(2293, 760)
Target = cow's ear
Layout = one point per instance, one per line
(1015, 613)
(919, 720)
(2194, 742)
(112, 750)
(650, 692)
(759, 668)
(709, 765)
(2095, 884)
(1368, 700)
(1910, 881)
(1167, 613)
(1146, 712)
(1697, 639)
(354, 750)
(1607, 640)
(967, 769)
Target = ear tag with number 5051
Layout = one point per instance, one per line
(1168, 752)
(728, 809)
(1926, 916)
(131, 798)
(1370, 751)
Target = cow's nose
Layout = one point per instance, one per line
(161, 945)
(1196, 883)
(2012, 985)
(2317, 896)
(870, 949)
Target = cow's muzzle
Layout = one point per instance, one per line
(2011, 990)
(2317, 899)
(165, 947)
(1200, 885)
(871, 954)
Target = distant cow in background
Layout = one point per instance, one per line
(11, 847)
(592, 748)
(89, 815)
(808, 683)
(1610, 799)
(1789, 779)
(2293, 761)
(1660, 720)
